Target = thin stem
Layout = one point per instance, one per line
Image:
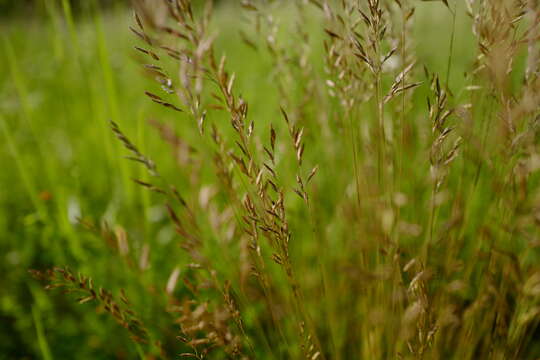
(380, 120)
(451, 50)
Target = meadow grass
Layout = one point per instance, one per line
(343, 180)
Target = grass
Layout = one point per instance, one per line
(356, 207)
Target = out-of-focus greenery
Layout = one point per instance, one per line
(62, 80)
(37, 7)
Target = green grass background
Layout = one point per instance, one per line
(63, 77)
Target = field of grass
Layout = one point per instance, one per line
(357, 208)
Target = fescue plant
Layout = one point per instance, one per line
(380, 210)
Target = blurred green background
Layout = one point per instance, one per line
(67, 68)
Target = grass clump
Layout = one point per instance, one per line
(357, 200)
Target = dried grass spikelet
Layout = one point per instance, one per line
(83, 287)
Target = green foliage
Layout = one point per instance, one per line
(271, 179)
